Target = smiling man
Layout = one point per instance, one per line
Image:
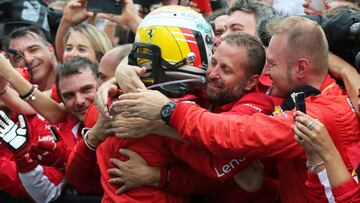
(76, 83)
(29, 48)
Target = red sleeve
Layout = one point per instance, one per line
(234, 135)
(318, 187)
(55, 95)
(215, 168)
(9, 180)
(82, 171)
(184, 180)
(91, 116)
(222, 168)
(347, 192)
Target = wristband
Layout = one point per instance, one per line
(87, 143)
(30, 94)
(312, 167)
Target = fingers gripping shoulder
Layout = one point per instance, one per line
(15, 136)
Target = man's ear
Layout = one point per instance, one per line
(51, 48)
(302, 67)
(251, 82)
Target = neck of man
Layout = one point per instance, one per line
(48, 82)
(316, 81)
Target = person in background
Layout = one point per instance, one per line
(76, 13)
(218, 20)
(85, 40)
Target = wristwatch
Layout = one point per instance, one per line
(166, 111)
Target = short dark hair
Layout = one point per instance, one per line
(122, 33)
(263, 14)
(255, 51)
(213, 15)
(27, 30)
(73, 66)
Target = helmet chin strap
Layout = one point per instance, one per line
(200, 80)
(161, 80)
(178, 88)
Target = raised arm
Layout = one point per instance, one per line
(342, 70)
(42, 103)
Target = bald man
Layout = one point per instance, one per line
(109, 62)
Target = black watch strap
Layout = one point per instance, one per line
(166, 111)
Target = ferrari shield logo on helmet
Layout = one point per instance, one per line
(150, 35)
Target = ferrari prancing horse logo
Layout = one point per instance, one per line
(150, 35)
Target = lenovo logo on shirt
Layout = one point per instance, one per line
(227, 168)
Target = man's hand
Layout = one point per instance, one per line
(49, 153)
(128, 16)
(5, 67)
(130, 127)
(145, 104)
(98, 133)
(133, 173)
(128, 77)
(13, 135)
(310, 11)
(107, 89)
(75, 12)
(251, 178)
